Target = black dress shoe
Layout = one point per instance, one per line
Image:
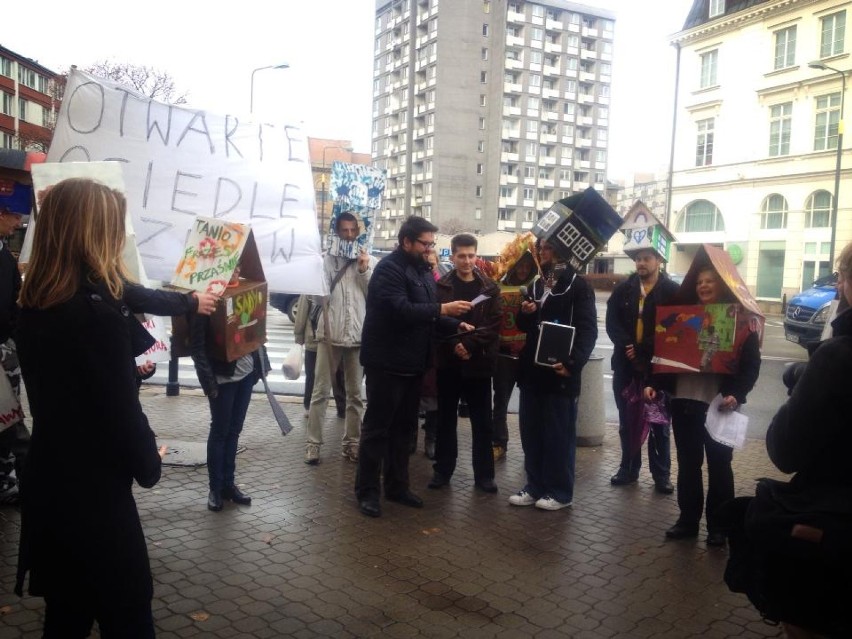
(370, 507)
(214, 501)
(407, 498)
(621, 478)
(664, 487)
(486, 485)
(716, 539)
(237, 496)
(438, 481)
(682, 531)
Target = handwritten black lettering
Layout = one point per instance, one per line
(147, 184)
(87, 157)
(166, 226)
(279, 252)
(239, 196)
(155, 124)
(85, 109)
(176, 191)
(285, 197)
(127, 95)
(228, 133)
(199, 115)
(292, 157)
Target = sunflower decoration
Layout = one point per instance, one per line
(518, 253)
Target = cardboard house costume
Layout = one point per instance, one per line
(706, 338)
(213, 250)
(643, 231)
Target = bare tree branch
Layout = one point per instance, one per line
(148, 81)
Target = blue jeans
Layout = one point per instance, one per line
(227, 414)
(548, 425)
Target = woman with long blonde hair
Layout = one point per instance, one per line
(76, 339)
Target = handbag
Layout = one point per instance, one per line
(292, 366)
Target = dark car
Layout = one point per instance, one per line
(285, 302)
(808, 311)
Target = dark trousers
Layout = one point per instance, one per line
(227, 414)
(659, 441)
(692, 441)
(505, 376)
(336, 383)
(389, 424)
(452, 386)
(548, 425)
(72, 616)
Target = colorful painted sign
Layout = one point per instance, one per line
(212, 252)
(357, 189)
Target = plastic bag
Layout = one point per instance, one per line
(292, 366)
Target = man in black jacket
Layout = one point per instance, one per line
(630, 316)
(402, 311)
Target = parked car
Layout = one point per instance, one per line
(285, 302)
(808, 311)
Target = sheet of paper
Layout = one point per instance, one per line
(479, 298)
(726, 427)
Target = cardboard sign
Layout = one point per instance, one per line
(357, 189)
(701, 338)
(578, 227)
(211, 254)
(643, 231)
(512, 339)
(181, 162)
(10, 406)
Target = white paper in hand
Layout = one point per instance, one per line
(728, 427)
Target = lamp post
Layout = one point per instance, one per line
(836, 198)
(348, 149)
(283, 65)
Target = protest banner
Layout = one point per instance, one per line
(357, 189)
(180, 162)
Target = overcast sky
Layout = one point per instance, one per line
(211, 48)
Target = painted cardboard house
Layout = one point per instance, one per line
(643, 231)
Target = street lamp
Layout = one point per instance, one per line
(835, 201)
(251, 92)
(348, 149)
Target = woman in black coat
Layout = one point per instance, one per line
(85, 555)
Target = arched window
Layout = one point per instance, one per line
(818, 210)
(774, 212)
(700, 216)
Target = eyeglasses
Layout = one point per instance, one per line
(426, 245)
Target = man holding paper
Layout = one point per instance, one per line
(465, 365)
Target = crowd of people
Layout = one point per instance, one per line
(391, 322)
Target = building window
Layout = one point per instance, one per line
(717, 8)
(535, 57)
(529, 193)
(481, 99)
(818, 210)
(481, 124)
(6, 105)
(483, 77)
(22, 109)
(478, 191)
(479, 168)
(704, 146)
(833, 34)
(600, 157)
(486, 8)
(477, 214)
(532, 126)
(532, 149)
(8, 141)
(708, 68)
(5, 69)
(504, 215)
(701, 216)
(27, 77)
(532, 103)
(485, 29)
(569, 108)
(507, 191)
(484, 53)
(785, 48)
(827, 120)
(780, 123)
(480, 146)
(537, 35)
(774, 214)
(535, 80)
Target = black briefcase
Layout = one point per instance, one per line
(555, 342)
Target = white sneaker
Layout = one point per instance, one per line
(549, 503)
(312, 454)
(522, 498)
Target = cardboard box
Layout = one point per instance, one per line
(695, 338)
(238, 325)
(578, 227)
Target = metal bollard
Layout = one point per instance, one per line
(591, 413)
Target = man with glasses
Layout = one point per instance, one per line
(402, 311)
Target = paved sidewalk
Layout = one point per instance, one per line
(302, 562)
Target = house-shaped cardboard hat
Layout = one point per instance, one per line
(643, 231)
(213, 250)
(706, 338)
(578, 227)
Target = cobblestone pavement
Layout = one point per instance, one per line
(302, 562)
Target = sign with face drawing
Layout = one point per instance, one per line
(357, 190)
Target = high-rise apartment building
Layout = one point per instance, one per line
(486, 111)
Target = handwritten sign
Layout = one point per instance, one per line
(181, 162)
(357, 190)
(212, 251)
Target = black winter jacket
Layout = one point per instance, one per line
(622, 314)
(402, 314)
(810, 435)
(484, 343)
(572, 301)
(10, 286)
